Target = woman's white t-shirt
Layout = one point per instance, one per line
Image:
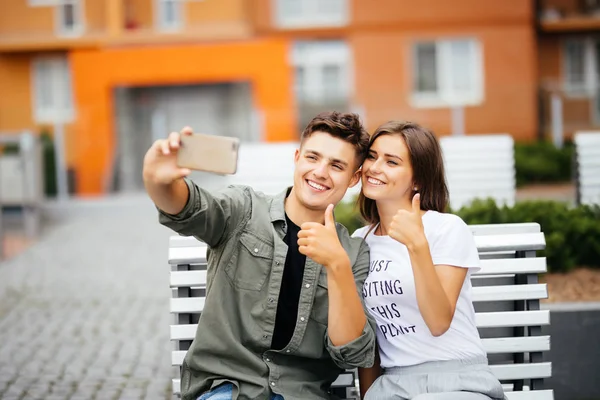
(389, 293)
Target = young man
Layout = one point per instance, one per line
(283, 313)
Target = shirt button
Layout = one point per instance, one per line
(302, 319)
(265, 336)
(272, 383)
(287, 351)
(276, 262)
(267, 360)
(307, 285)
(256, 250)
(271, 299)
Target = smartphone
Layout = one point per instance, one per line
(211, 153)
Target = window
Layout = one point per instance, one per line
(69, 17)
(321, 71)
(447, 73)
(53, 100)
(169, 14)
(310, 13)
(322, 78)
(580, 66)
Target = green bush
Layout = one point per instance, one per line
(347, 213)
(541, 162)
(572, 233)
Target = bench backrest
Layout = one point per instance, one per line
(479, 166)
(506, 295)
(587, 150)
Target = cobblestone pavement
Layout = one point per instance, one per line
(84, 311)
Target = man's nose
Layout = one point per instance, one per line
(321, 170)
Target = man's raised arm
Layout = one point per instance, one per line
(183, 206)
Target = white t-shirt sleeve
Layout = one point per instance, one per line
(454, 245)
(360, 232)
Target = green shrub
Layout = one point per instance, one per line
(541, 162)
(572, 233)
(347, 213)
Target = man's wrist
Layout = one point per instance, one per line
(339, 263)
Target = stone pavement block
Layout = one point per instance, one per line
(10, 396)
(13, 391)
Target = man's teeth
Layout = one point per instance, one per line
(374, 181)
(316, 185)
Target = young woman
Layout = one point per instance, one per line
(419, 288)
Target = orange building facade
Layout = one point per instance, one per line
(117, 74)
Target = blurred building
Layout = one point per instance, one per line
(120, 73)
(569, 63)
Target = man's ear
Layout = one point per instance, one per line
(296, 155)
(355, 178)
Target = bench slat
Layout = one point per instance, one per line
(177, 357)
(512, 318)
(499, 266)
(530, 395)
(508, 372)
(188, 255)
(516, 344)
(188, 278)
(183, 332)
(510, 292)
(187, 305)
(516, 242)
(505, 229)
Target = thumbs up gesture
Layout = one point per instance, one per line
(320, 241)
(407, 226)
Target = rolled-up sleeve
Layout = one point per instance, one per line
(360, 352)
(209, 217)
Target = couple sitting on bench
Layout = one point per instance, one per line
(293, 299)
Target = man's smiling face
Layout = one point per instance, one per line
(326, 167)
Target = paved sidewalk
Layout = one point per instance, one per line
(84, 311)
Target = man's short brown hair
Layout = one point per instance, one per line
(345, 126)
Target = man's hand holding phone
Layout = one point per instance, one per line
(160, 162)
(173, 158)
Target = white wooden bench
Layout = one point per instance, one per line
(587, 167)
(479, 166)
(506, 295)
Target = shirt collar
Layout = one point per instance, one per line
(277, 209)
